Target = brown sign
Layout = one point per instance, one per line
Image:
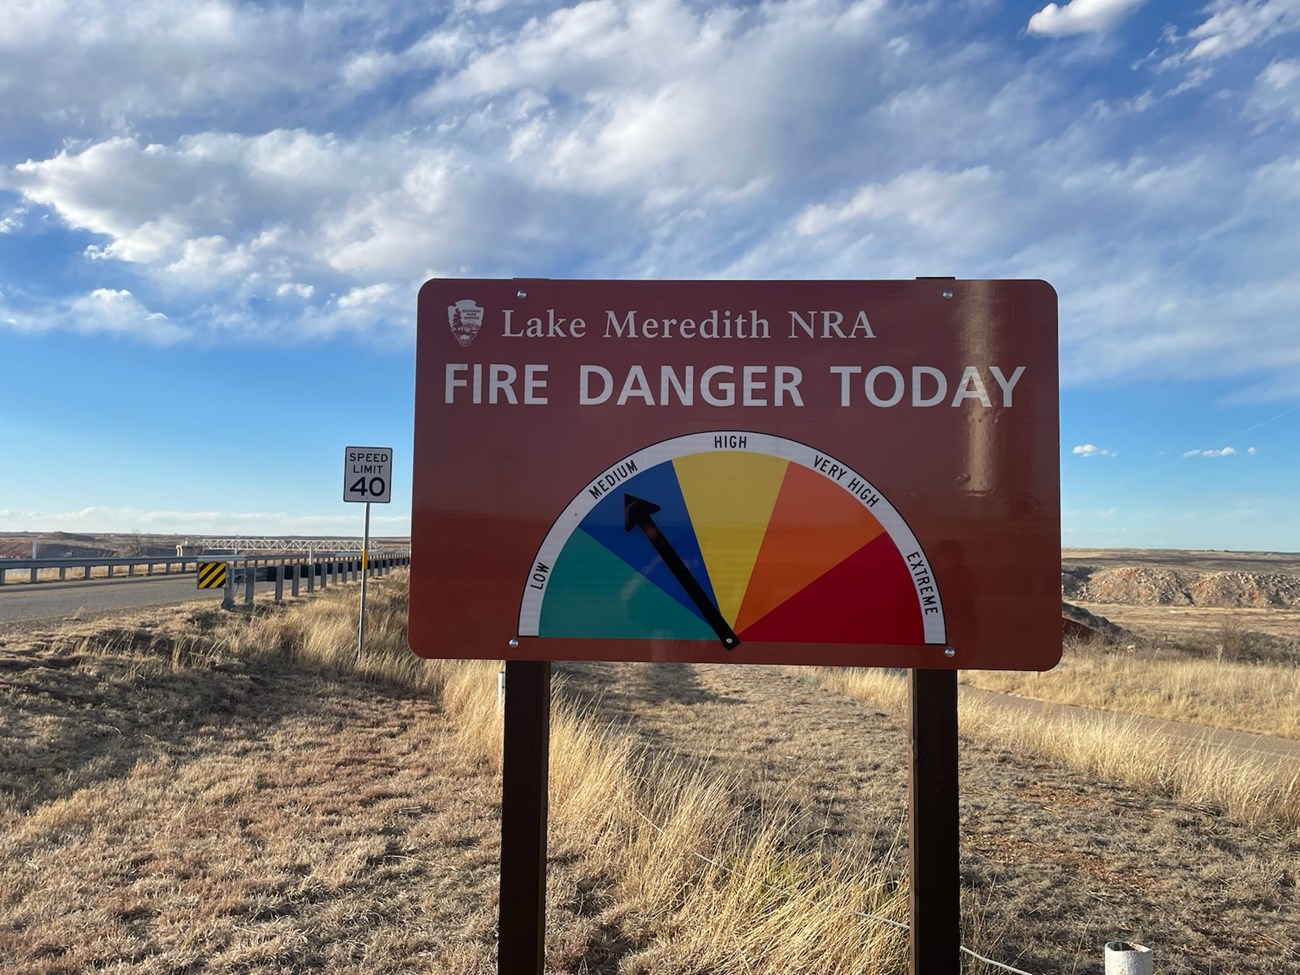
(853, 473)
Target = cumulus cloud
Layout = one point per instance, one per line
(1220, 452)
(74, 67)
(175, 205)
(1092, 450)
(103, 311)
(118, 312)
(1081, 17)
(670, 100)
(610, 138)
(249, 215)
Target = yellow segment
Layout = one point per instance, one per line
(730, 495)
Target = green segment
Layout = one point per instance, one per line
(594, 593)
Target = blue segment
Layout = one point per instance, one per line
(659, 485)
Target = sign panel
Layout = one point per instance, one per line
(212, 575)
(368, 474)
(854, 473)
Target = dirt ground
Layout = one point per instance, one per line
(234, 816)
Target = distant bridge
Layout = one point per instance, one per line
(266, 544)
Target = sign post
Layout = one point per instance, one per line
(934, 825)
(831, 473)
(368, 478)
(521, 921)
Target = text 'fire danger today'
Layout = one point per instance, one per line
(503, 384)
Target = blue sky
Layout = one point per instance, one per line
(215, 216)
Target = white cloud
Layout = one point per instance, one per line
(1081, 17)
(651, 139)
(199, 523)
(672, 102)
(1251, 450)
(252, 214)
(1275, 96)
(373, 294)
(80, 66)
(1092, 450)
(295, 289)
(1221, 452)
(368, 69)
(154, 201)
(1235, 24)
(937, 205)
(118, 312)
(103, 311)
(1280, 74)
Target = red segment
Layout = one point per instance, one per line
(867, 598)
(815, 525)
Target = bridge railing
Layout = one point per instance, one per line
(79, 569)
(249, 543)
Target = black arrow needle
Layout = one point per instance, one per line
(637, 513)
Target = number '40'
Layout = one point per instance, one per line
(363, 487)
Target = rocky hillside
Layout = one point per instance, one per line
(1153, 586)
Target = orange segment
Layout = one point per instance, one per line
(815, 525)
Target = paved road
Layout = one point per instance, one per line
(54, 601)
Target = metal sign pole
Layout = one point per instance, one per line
(365, 571)
(527, 747)
(935, 899)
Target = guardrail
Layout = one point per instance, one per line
(244, 572)
(331, 565)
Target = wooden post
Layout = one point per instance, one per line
(935, 900)
(522, 921)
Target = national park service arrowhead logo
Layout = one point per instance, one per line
(465, 318)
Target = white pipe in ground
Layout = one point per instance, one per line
(1126, 958)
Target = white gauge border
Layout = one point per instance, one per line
(896, 527)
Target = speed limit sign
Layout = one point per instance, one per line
(368, 474)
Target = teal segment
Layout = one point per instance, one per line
(594, 593)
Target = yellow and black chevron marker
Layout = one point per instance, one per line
(212, 575)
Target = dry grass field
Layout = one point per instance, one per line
(190, 791)
(23, 576)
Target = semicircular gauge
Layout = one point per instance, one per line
(733, 537)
